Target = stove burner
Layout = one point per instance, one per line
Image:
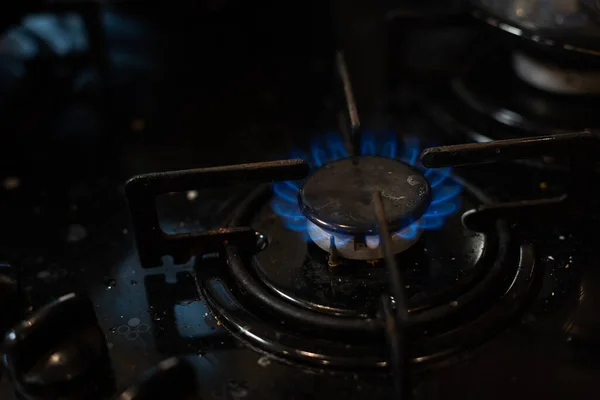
(552, 78)
(285, 301)
(499, 97)
(338, 197)
(335, 201)
(462, 287)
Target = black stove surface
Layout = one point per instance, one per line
(67, 229)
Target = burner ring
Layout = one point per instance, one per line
(258, 316)
(338, 196)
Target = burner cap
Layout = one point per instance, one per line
(338, 196)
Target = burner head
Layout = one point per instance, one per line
(338, 196)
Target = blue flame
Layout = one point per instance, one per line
(445, 192)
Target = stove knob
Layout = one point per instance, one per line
(173, 379)
(58, 352)
(10, 300)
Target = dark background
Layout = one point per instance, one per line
(91, 95)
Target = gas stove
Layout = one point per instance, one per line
(427, 259)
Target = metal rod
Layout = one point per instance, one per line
(197, 178)
(142, 190)
(395, 276)
(351, 128)
(483, 218)
(396, 346)
(334, 255)
(509, 149)
(395, 322)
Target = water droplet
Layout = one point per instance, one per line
(156, 316)
(110, 283)
(261, 241)
(211, 321)
(192, 195)
(134, 282)
(453, 303)
(113, 329)
(264, 361)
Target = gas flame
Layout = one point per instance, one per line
(445, 192)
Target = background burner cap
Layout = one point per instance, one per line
(338, 196)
